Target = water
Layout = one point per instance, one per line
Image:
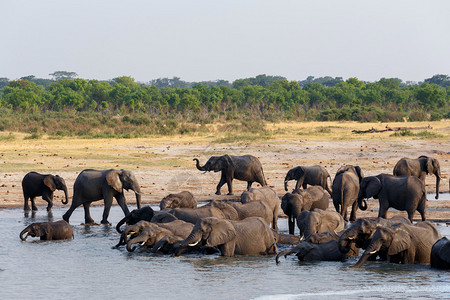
(87, 267)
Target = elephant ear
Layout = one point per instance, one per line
(359, 172)
(429, 166)
(229, 161)
(113, 180)
(401, 241)
(50, 182)
(307, 201)
(299, 172)
(222, 231)
(373, 187)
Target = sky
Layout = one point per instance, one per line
(209, 40)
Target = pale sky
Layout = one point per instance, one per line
(209, 40)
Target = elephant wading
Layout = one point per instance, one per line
(345, 190)
(318, 221)
(266, 195)
(406, 244)
(440, 254)
(59, 230)
(192, 215)
(419, 168)
(314, 175)
(145, 213)
(182, 199)
(246, 168)
(251, 236)
(35, 184)
(400, 192)
(94, 185)
(239, 211)
(308, 199)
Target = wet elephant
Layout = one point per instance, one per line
(318, 221)
(266, 195)
(419, 168)
(49, 231)
(246, 168)
(181, 199)
(145, 213)
(35, 184)
(93, 185)
(440, 254)
(192, 215)
(240, 211)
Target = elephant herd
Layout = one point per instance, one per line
(249, 226)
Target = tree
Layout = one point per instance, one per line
(57, 75)
(439, 79)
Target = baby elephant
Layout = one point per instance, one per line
(440, 254)
(182, 199)
(59, 230)
(318, 221)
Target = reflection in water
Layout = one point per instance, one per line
(85, 265)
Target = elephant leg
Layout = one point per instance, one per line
(422, 210)
(221, 183)
(353, 213)
(33, 205)
(249, 185)
(49, 199)
(382, 213)
(230, 186)
(87, 215)
(291, 224)
(304, 186)
(26, 207)
(108, 203)
(122, 203)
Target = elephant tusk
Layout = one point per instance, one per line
(143, 243)
(373, 252)
(194, 244)
(130, 233)
(26, 236)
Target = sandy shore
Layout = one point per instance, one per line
(164, 165)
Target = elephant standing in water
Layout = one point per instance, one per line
(404, 243)
(318, 221)
(345, 190)
(419, 168)
(250, 236)
(400, 192)
(266, 195)
(314, 175)
(93, 185)
(49, 231)
(246, 168)
(440, 254)
(35, 184)
(182, 199)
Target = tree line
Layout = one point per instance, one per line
(262, 97)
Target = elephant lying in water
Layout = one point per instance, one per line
(246, 168)
(404, 243)
(308, 199)
(145, 213)
(250, 236)
(266, 195)
(238, 211)
(59, 230)
(182, 199)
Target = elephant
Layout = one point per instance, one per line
(307, 199)
(266, 195)
(318, 221)
(35, 184)
(93, 185)
(144, 213)
(159, 235)
(317, 247)
(345, 190)
(404, 243)
(440, 254)
(49, 231)
(359, 233)
(250, 236)
(400, 192)
(182, 199)
(246, 168)
(163, 216)
(419, 168)
(313, 175)
(192, 215)
(239, 211)
(286, 239)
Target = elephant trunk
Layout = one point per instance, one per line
(140, 239)
(193, 239)
(285, 253)
(137, 190)
(66, 197)
(344, 245)
(121, 222)
(286, 185)
(362, 203)
(26, 230)
(197, 164)
(372, 249)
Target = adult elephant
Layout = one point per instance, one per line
(181, 199)
(93, 185)
(49, 231)
(240, 211)
(400, 192)
(266, 195)
(246, 168)
(359, 233)
(311, 198)
(145, 213)
(35, 184)
(251, 236)
(192, 215)
(406, 244)
(419, 168)
(312, 175)
(345, 190)
(316, 247)
(440, 254)
(318, 221)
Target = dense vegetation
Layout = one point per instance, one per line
(69, 105)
